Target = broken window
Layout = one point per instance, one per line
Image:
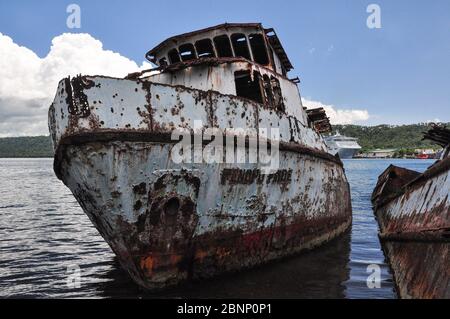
(277, 95)
(223, 46)
(174, 56)
(205, 48)
(258, 49)
(162, 62)
(187, 52)
(247, 87)
(272, 58)
(240, 46)
(268, 90)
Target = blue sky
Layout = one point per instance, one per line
(399, 73)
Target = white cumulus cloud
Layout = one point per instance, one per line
(28, 83)
(339, 116)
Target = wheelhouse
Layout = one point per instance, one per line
(240, 59)
(238, 40)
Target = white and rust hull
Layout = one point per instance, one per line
(170, 222)
(413, 212)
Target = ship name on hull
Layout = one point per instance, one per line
(250, 176)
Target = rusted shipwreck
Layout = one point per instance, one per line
(413, 212)
(168, 221)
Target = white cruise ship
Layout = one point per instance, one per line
(345, 146)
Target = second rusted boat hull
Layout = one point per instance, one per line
(169, 223)
(413, 212)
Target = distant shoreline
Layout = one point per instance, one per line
(26, 147)
(405, 139)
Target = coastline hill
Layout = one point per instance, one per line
(369, 137)
(387, 136)
(28, 146)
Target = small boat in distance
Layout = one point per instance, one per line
(423, 156)
(345, 146)
(413, 212)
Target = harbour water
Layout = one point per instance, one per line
(45, 237)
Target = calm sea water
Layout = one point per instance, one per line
(43, 231)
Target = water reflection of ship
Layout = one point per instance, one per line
(345, 146)
(319, 273)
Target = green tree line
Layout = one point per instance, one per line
(36, 146)
(404, 137)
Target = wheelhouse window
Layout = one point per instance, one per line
(174, 57)
(248, 87)
(277, 95)
(223, 46)
(258, 49)
(163, 62)
(187, 52)
(268, 93)
(240, 45)
(271, 56)
(205, 48)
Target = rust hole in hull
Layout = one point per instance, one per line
(172, 207)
